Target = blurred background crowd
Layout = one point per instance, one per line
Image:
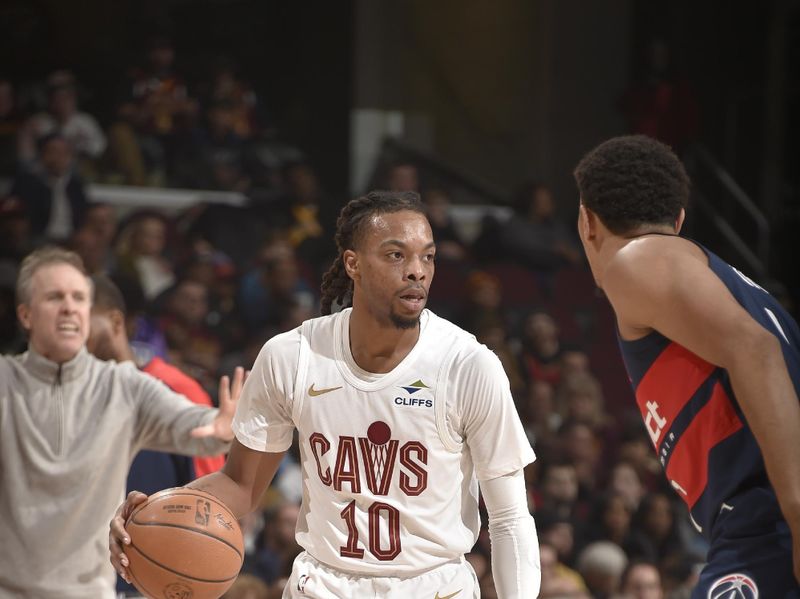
(191, 173)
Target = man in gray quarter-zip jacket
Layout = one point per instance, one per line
(70, 425)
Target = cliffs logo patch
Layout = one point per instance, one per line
(415, 386)
(733, 586)
(410, 400)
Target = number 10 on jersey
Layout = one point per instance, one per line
(348, 514)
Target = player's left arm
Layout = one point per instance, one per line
(681, 298)
(515, 547)
(487, 415)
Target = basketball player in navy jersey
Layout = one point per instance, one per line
(400, 415)
(714, 364)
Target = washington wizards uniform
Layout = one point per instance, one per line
(390, 461)
(710, 455)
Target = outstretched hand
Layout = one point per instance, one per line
(220, 427)
(118, 537)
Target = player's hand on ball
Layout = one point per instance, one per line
(229, 393)
(118, 536)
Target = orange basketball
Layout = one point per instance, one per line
(185, 544)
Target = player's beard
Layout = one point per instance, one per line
(403, 323)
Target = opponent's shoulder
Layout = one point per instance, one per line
(650, 267)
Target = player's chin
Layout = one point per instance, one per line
(407, 318)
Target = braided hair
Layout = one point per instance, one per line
(337, 286)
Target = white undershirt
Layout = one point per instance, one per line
(59, 226)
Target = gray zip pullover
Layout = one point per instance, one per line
(68, 434)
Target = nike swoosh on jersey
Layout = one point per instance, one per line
(314, 392)
(438, 596)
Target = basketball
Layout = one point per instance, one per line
(185, 544)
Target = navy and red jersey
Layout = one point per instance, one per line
(702, 438)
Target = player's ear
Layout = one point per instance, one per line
(679, 221)
(587, 223)
(118, 324)
(350, 261)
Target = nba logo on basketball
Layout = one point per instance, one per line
(177, 591)
(734, 586)
(202, 512)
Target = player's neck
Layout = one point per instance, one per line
(650, 230)
(377, 347)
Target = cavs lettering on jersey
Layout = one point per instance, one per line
(390, 461)
(689, 409)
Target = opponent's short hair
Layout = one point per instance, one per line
(336, 284)
(633, 180)
(107, 296)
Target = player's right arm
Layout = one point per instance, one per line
(263, 428)
(239, 485)
(661, 286)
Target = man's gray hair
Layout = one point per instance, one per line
(45, 256)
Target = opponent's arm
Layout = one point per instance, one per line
(680, 297)
(515, 547)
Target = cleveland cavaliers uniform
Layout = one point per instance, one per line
(709, 453)
(390, 461)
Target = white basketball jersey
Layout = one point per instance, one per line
(389, 472)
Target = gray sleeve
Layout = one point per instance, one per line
(164, 419)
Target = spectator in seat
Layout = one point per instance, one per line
(80, 129)
(51, 191)
(535, 237)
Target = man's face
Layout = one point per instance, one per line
(190, 302)
(100, 218)
(561, 484)
(57, 313)
(149, 237)
(57, 157)
(393, 267)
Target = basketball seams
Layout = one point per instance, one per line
(181, 574)
(178, 524)
(138, 583)
(191, 529)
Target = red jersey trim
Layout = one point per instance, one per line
(671, 381)
(687, 470)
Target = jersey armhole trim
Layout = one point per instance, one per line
(256, 445)
(304, 355)
(450, 443)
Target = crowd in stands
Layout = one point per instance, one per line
(205, 288)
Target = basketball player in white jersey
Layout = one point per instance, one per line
(399, 413)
